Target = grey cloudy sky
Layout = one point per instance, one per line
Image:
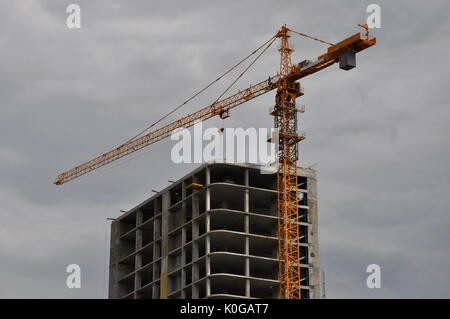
(379, 133)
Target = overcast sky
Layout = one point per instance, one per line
(378, 134)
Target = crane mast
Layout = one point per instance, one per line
(285, 113)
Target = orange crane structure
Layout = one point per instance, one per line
(285, 112)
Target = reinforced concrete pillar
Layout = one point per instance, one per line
(156, 248)
(138, 256)
(114, 273)
(164, 245)
(247, 231)
(314, 279)
(195, 234)
(183, 240)
(208, 228)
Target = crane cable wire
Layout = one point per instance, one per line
(202, 90)
(246, 69)
(311, 37)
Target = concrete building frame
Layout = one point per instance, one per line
(211, 234)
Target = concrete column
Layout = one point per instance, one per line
(138, 257)
(114, 291)
(247, 231)
(164, 244)
(313, 246)
(195, 234)
(137, 275)
(156, 246)
(208, 228)
(183, 240)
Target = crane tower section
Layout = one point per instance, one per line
(285, 122)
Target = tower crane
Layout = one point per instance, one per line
(288, 89)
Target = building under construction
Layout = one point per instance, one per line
(212, 234)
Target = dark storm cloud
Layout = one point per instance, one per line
(378, 133)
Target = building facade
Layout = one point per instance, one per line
(211, 234)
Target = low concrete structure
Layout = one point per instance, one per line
(212, 234)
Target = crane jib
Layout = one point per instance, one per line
(355, 43)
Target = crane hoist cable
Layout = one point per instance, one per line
(271, 40)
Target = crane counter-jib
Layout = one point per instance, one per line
(355, 43)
